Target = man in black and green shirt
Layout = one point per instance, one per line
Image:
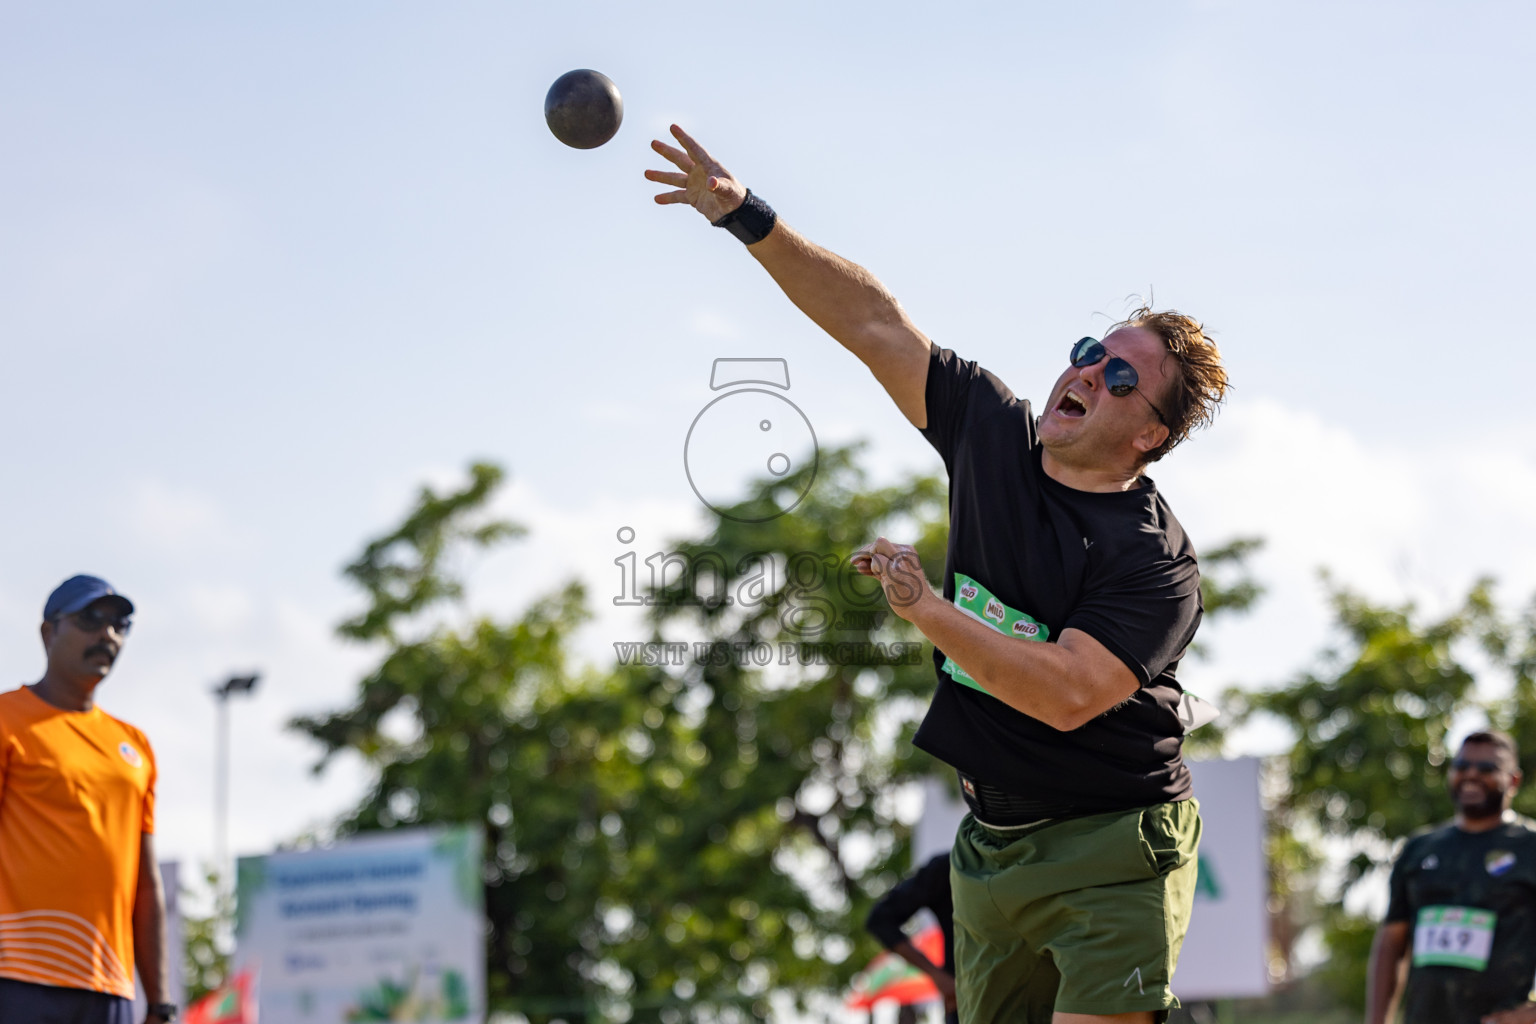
(1070, 596)
(1463, 905)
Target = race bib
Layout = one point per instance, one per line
(1453, 937)
(1195, 712)
(977, 602)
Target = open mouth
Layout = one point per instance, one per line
(1071, 406)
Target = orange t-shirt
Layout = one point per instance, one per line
(77, 789)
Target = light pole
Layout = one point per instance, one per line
(222, 693)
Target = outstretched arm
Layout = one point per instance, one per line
(843, 298)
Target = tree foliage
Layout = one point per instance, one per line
(1371, 724)
(484, 723)
(206, 942)
(662, 834)
(1511, 643)
(1226, 585)
(775, 782)
(706, 822)
(1374, 714)
(1227, 588)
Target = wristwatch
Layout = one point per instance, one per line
(165, 1011)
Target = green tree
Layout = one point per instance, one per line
(1227, 588)
(678, 836)
(1370, 725)
(653, 832)
(485, 723)
(775, 758)
(205, 941)
(1512, 645)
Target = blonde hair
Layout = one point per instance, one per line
(1201, 383)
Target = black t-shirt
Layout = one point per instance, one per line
(1493, 870)
(1034, 557)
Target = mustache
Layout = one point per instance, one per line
(100, 649)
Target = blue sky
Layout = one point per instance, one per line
(267, 268)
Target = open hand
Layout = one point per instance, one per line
(700, 180)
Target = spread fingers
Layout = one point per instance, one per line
(694, 149)
(676, 156)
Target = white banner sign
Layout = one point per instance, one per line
(1224, 952)
(386, 927)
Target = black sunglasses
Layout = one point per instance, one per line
(92, 619)
(1119, 375)
(1461, 764)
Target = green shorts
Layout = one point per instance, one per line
(1078, 915)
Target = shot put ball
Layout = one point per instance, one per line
(583, 109)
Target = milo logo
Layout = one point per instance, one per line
(973, 598)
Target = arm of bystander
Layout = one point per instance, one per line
(928, 888)
(149, 928)
(1385, 975)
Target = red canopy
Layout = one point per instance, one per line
(235, 1003)
(890, 978)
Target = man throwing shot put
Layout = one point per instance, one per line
(1070, 595)
(1462, 910)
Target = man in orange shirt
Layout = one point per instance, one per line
(80, 895)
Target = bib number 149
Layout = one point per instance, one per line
(1453, 937)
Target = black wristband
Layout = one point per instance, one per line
(751, 221)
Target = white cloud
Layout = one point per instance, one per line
(1397, 520)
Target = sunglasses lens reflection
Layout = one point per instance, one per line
(1086, 352)
(1120, 377)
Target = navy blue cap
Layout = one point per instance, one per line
(78, 593)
